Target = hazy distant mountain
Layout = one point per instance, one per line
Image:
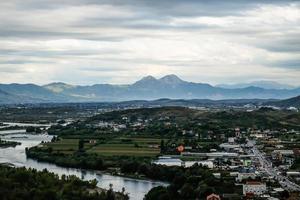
(261, 84)
(148, 88)
(5, 97)
(31, 93)
(12, 98)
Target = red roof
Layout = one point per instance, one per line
(253, 183)
(213, 197)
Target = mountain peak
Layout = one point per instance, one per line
(145, 81)
(171, 79)
(148, 78)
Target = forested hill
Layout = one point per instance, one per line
(292, 102)
(261, 118)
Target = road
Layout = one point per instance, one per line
(273, 171)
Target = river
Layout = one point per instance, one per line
(16, 156)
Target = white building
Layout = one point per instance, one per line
(168, 161)
(205, 163)
(231, 140)
(228, 146)
(243, 176)
(256, 188)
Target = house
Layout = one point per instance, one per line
(254, 187)
(244, 176)
(231, 140)
(229, 147)
(93, 141)
(237, 132)
(213, 197)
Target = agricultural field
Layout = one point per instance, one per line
(115, 146)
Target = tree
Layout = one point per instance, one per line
(162, 146)
(110, 195)
(81, 145)
(157, 193)
(187, 191)
(30, 129)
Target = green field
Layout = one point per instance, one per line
(115, 146)
(67, 146)
(124, 149)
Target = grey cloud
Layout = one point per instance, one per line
(19, 62)
(149, 19)
(53, 53)
(11, 69)
(289, 64)
(290, 43)
(103, 69)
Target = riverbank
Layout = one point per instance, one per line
(113, 165)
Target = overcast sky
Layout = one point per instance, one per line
(120, 41)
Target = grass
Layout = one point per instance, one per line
(134, 147)
(115, 146)
(121, 150)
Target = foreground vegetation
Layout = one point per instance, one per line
(21, 183)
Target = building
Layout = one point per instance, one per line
(213, 197)
(229, 147)
(244, 176)
(206, 163)
(237, 132)
(93, 141)
(231, 140)
(247, 162)
(284, 152)
(168, 161)
(254, 187)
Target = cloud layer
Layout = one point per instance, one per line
(86, 42)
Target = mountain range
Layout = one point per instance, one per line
(148, 88)
(261, 84)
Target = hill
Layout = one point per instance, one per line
(265, 118)
(29, 93)
(6, 97)
(261, 84)
(292, 102)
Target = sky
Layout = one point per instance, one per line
(121, 41)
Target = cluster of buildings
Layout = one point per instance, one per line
(241, 163)
(111, 125)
